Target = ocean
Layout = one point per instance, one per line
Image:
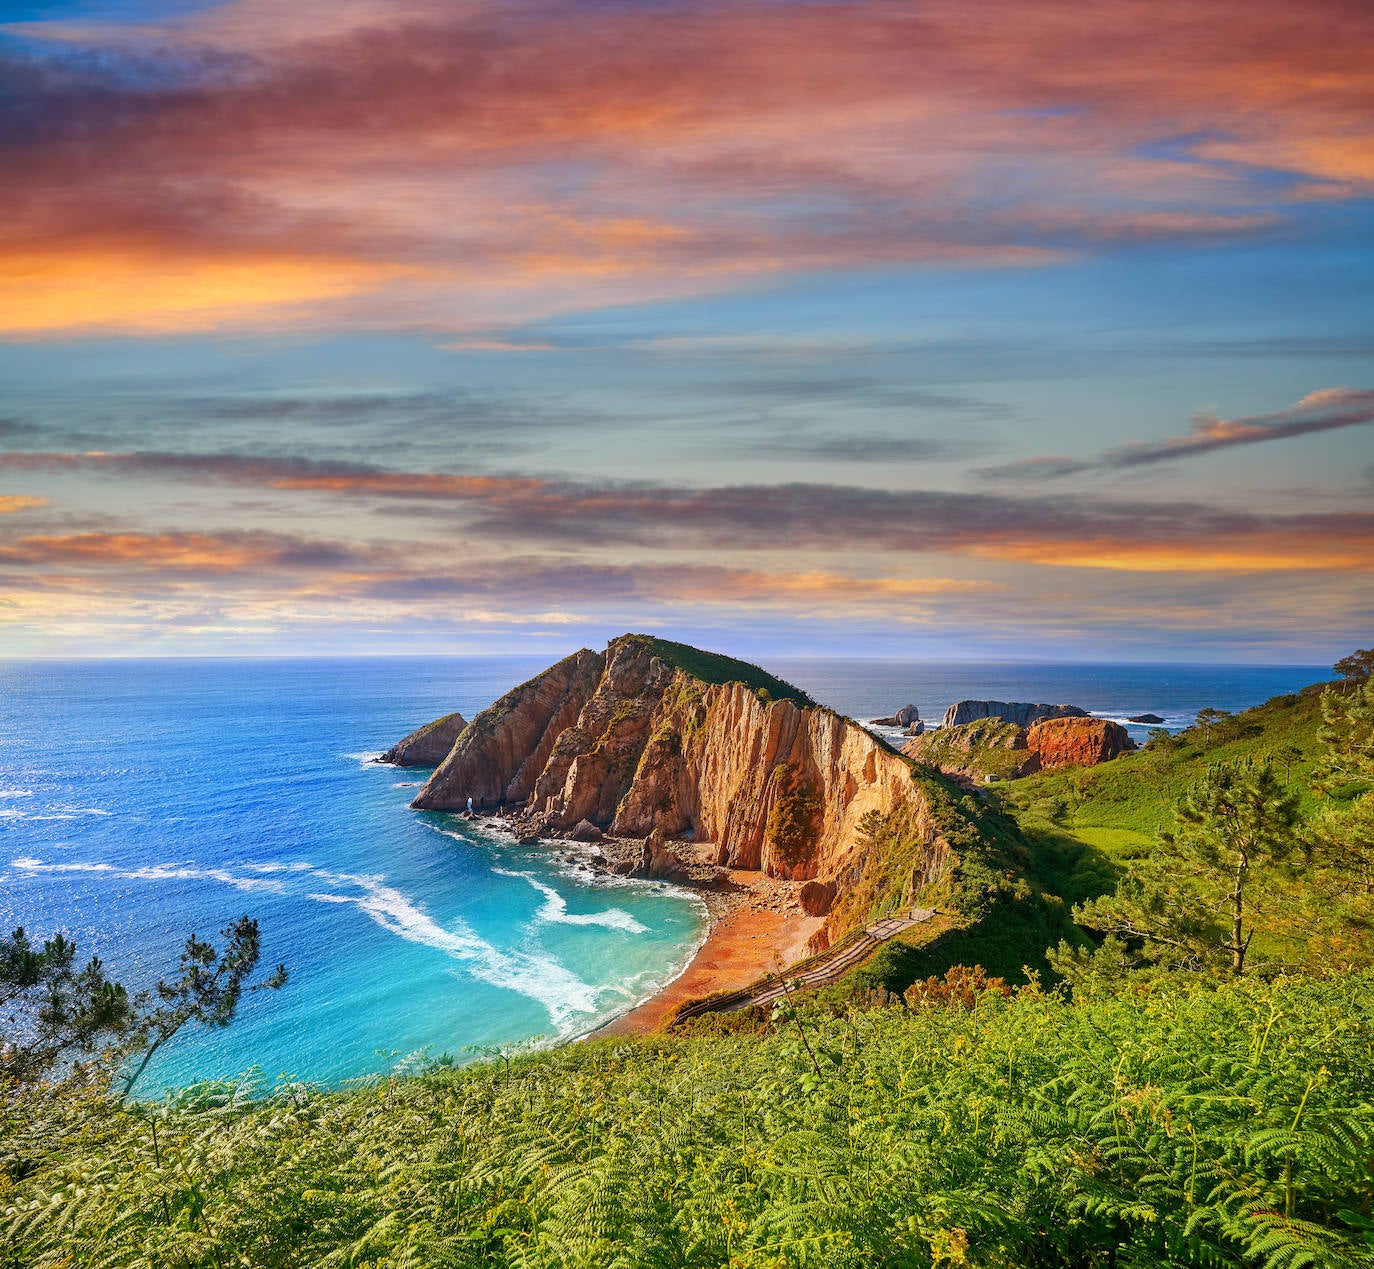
(142, 801)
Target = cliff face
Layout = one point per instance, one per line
(427, 746)
(1082, 742)
(500, 754)
(1021, 713)
(634, 743)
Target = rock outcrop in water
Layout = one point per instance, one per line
(1021, 713)
(427, 746)
(904, 717)
(657, 740)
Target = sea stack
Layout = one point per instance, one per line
(426, 746)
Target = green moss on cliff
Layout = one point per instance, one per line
(715, 669)
(791, 828)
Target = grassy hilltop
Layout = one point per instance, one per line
(1144, 1112)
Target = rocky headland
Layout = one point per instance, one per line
(1022, 713)
(679, 761)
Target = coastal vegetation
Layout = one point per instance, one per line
(716, 669)
(1139, 1031)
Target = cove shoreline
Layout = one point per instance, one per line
(755, 924)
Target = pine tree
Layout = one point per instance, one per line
(1192, 902)
(1348, 733)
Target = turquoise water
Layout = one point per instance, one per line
(141, 801)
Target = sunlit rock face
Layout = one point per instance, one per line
(633, 744)
(1077, 742)
(427, 746)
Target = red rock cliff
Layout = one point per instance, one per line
(1082, 742)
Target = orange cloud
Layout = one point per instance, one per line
(54, 290)
(197, 551)
(453, 167)
(1262, 553)
(10, 504)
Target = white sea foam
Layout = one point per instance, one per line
(53, 813)
(540, 978)
(555, 908)
(153, 872)
(15, 793)
(26, 864)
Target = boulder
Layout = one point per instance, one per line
(816, 897)
(1154, 719)
(918, 728)
(904, 717)
(657, 862)
(586, 831)
(1021, 713)
(1080, 742)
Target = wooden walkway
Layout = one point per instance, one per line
(816, 971)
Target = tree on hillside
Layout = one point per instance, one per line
(1341, 838)
(1192, 901)
(1208, 718)
(55, 1016)
(1348, 733)
(1357, 667)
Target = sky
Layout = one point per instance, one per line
(1015, 329)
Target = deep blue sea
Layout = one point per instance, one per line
(142, 801)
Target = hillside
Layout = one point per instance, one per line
(904, 1116)
(1187, 1126)
(1126, 802)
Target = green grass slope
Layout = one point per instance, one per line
(1126, 802)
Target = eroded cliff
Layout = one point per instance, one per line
(993, 749)
(651, 736)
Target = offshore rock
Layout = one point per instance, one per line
(904, 717)
(427, 746)
(1021, 713)
(1146, 718)
(1080, 742)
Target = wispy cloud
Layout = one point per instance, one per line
(1054, 530)
(1325, 410)
(11, 504)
